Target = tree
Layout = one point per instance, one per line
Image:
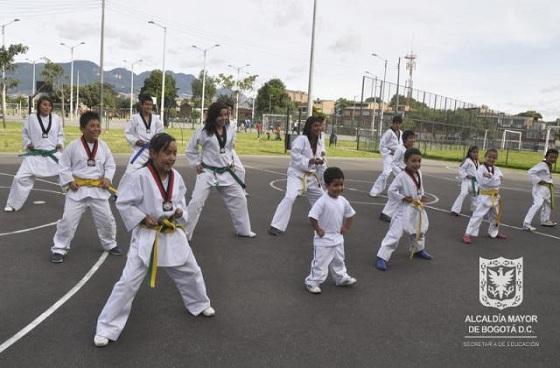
(229, 81)
(341, 104)
(89, 95)
(52, 74)
(209, 89)
(152, 87)
(227, 99)
(531, 114)
(7, 64)
(272, 98)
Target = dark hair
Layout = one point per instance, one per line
(308, 123)
(212, 115)
(411, 152)
(397, 119)
(160, 142)
(229, 104)
(489, 150)
(551, 151)
(407, 134)
(332, 173)
(144, 98)
(87, 117)
(44, 98)
(471, 150)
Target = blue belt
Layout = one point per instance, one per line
(144, 147)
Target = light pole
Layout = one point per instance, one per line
(382, 92)
(4, 72)
(311, 56)
(238, 68)
(162, 68)
(132, 82)
(71, 75)
(204, 51)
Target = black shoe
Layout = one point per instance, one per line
(57, 258)
(116, 251)
(384, 217)
(274, 231)
(454, 214)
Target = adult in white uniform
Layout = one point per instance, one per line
(390, 140)
(141, 127)
(152, 205)
(210, 152)
(307, 157)
(411, 217)
(469, 185)
(88, 168)
(398, 165)
(43, 139)
(540, 176)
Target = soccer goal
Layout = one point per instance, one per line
(548, 129)
(515, 132)
(273, 121)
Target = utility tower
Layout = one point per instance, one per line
(410, 67)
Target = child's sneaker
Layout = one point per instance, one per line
(313, 289)
(500, 236)
(100, 341)
(274, 231)
(423, 254)
(453, 213)
(348, 282)
(57, 258)
(528, 227)
(467, 239)
(380, 264)
(116, 251)
(209, 312)
(548, 223)
(9, 209)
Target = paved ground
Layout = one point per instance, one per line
(413, 315)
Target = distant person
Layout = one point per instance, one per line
(331, 217)
(333, 139)
(277, 133)
(469, 185)
(43, 139)
(388, 145)
(540, 176)
(259, 127)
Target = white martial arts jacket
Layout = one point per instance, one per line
(398, 164)
(540, 172)
(301, 153)
(135, 130)
(468, 168)
(205, 148)
(404, 186)
(140, 197)
(389, 142)
(32, 134)
(485, 183)
(74, 164)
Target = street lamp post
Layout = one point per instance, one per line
(4, 72)
(34, 62)
(238, 68)
(382, 92)
(204, 51)
(311, 57)
(132, 82)
(71, 75)
(163, 67)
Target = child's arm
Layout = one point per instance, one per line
(194, 156)
(317, 228)
(109, 168)
(346, 225)
(130, 133)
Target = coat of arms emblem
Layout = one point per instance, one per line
(501, 282)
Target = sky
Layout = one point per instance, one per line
(503, 54)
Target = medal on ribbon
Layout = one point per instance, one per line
(90, 152)
(166, 193)
(45, 131)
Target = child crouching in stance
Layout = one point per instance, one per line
(331, 217)
(152, 206)
(410, 217)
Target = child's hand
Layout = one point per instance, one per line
(320, 232)
(344, 230)
(470, 177)
(542, 182)
(178, 213)
(150, 221)
(59, 147)
(199, 169)
(73, 186)
(407, 199)
(105, 183)
(30, 146)
(319, 161)
(140, 143)
(424, 199)
(487, 175)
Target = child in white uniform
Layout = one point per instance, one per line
(388, 144)
(469, 185)
(88, 169)
(331, 217)
(488, 201)
(543, 191)
(411, 217)
(210, 152)
(152, 206)
(43, 139)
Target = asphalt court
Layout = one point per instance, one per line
(412, 315)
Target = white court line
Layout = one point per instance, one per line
(38, 190)
(24, 331)
(38, 179)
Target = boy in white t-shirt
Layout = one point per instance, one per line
(331, 217)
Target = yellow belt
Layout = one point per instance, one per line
(417, 204)
(494, 194)
(551, 189)
(96, 183)
(165, 226)
(304, 181)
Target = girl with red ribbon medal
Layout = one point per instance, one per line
(410, 218)
(152, 206)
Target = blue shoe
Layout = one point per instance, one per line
(380, 264)
(423, 254)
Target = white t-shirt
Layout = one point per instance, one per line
(330, 214)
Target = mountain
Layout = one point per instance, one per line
(119, 78)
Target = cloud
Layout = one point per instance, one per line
(283, 12)
(348, 43)
(549, 89)
(76, 31)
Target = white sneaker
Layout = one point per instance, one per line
(348, 282)
(100, 341)
(528, 227)
(373, 195)
(209, 312)
(9, 209)
(548, 223)
(250, 235)
(313, 289)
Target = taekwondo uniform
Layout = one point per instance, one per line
(44, 133)
(390, 140)
(83, 161)
(215, 155)
(409, 218)
(140, 129)
(141, 196)
(543, 194)
(397, 166)
(468, 186)
(302, 179)
(328, 251)
(488, 201)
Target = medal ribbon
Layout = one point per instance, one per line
(416, 179)
(149, 123)
(90, 153)
(45, 131)
(488, 169)
(165, 194)
(222, 139)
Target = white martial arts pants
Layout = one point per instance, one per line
(381, 182)
(73, 210)
(234, 199)
(391, 206)
(294, 185)
(239, 168)
(391, 240)
(466, 190)
(23, 183)
(188, 279)
(540, 201)
(327, 259)
(483, 208)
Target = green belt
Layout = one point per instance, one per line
(473, 183)
(41, 152)
(221, 170)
